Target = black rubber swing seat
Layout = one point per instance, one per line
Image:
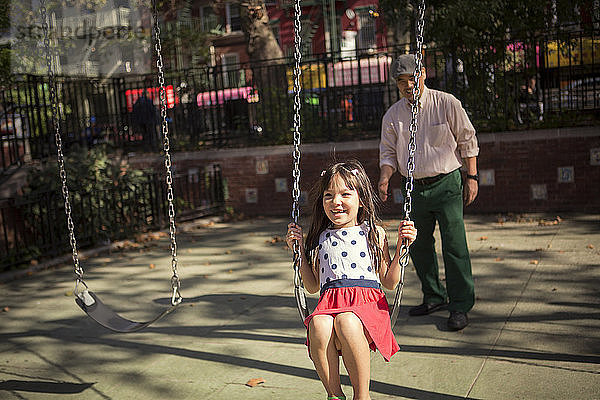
(105, 316)
(301, 302)
(85, 299)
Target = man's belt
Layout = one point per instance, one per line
(429, 180)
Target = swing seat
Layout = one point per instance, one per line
(301, 302)
(85, 299)
(395, 309)
(105, 316)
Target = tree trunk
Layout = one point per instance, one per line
(398, 16)
(262, 44)
(263, 49)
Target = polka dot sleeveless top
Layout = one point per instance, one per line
(344, 254)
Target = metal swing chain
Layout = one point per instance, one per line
(79, 272)
(297, 135)
(413, 127)
(414, 110)
(175, 283)
(412, 146)
(58, 140)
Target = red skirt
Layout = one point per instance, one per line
(369, 305)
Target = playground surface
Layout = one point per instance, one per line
(534, 332)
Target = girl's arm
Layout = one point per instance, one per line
(389, 273)
(310, 278)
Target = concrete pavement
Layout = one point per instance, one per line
(534, 331)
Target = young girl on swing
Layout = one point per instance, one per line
(346, 257)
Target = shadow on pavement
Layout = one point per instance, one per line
(44, 386)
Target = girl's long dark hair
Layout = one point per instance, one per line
(355, 177)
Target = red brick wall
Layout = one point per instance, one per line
(518, 159)
(524, 158)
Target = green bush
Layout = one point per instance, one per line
(108, 197)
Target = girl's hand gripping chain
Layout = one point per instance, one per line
(407, 233)
(294, 237)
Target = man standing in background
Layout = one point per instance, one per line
(445, 141)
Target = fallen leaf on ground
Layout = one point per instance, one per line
(6, 309)
(69, 293)
(499, 258)
(152, 266)
(534, 262)
(274, 240)
(255, 381)
(146, 237)
(483, 238)
(555, 221)
(590, 246)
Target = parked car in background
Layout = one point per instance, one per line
(579, 94)
(13, 125)
(14, 134)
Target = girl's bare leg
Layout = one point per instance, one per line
(355, 352)
(324, 354)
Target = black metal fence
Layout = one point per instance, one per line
(33, 227)
(543, 81)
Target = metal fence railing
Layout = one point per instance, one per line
(503, 85)
(33, 226)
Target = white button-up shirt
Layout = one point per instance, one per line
(444, 136)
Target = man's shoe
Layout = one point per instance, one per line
(425, 308)
(458, 320)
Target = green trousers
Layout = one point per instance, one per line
(442, 202)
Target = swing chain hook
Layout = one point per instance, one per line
(297, 261)
(176, 296)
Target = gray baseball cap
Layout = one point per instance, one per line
(404, 64)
